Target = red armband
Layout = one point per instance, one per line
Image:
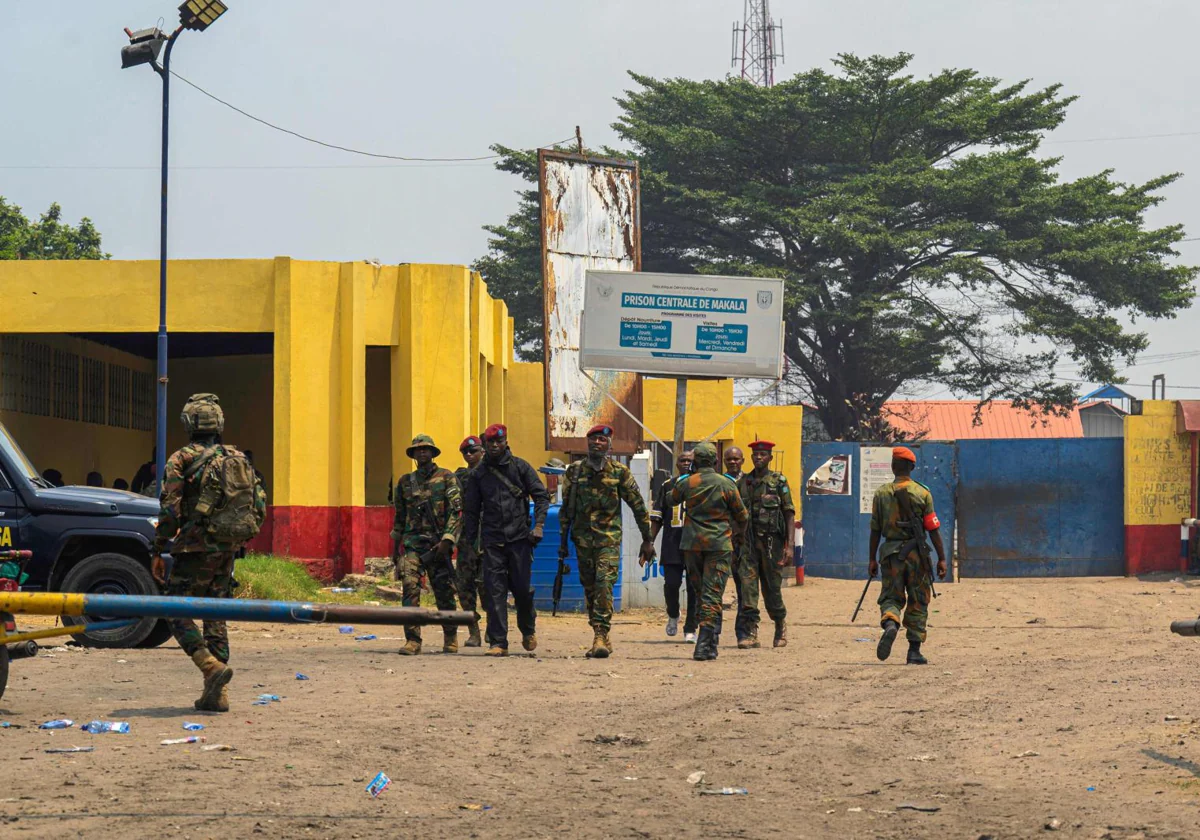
(932, 523)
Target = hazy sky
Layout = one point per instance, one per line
(439, 79)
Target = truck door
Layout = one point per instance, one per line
(10, 515)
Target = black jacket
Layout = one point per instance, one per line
(491, 506)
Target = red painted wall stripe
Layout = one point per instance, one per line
(1152, 548)
(331, 541)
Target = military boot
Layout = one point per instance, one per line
(914, 655)
(216, 676)
(750, 640)
(608, 643)
(449, 639)
(411, 648)
(884, 649)
(780, 632)
(706, 648)
(473, 639)
(496, 650)
(222, 704)
(599, 649)
(529, 642)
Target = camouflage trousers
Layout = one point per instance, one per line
(758, 570)
(906, 593)
(711, 568)
(469, 571)
(441, 580)
(200, 575)
(598, 571)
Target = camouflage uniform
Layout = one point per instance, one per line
(907, 583)
(768, 499)
(592, 506)
(469, 565)
(420, 494)
(202, 567)
(714, 514)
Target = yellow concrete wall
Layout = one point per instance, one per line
(527, 413)
(244, 385)
(74, 447)
(65, 296)
(1157, 467)
(709, 406)
(782, 425)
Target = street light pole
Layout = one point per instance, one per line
(160, 430)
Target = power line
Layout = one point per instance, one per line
(1129, 137)
(288, 167)
(306, 138)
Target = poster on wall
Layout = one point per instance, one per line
(830, 479)
(875, 471)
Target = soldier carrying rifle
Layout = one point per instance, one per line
(902, 514)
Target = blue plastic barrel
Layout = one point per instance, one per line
(545, 567)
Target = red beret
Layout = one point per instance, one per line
(762, 444)
(471, 442)
(496, 430)
(903, 453)
(600, 429)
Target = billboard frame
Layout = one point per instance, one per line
(627, 439)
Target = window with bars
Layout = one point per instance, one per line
(119, 383)
(143, 401)
(10, 373)
(66, 385)
(35, 379)
(93, 390)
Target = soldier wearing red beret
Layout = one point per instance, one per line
(901, 514)
(767, 547)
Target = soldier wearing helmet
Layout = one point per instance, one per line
(212, 503)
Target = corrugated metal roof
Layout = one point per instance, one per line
(1188, 416)
(955, 420)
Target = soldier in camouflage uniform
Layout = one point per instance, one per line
(428, 521)
(591, 514)
(768, 545)
(907, 580)
(203, 565)
(716, 520)
(469, 565)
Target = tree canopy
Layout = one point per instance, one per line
(49, 238)
(922, 237)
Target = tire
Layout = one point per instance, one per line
(3, 669)
(109, 573)
(161, 633)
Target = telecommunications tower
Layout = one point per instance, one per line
(757, 43)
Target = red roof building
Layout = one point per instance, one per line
(955, 420)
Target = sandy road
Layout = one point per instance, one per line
(1004, 732)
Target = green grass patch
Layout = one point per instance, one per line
(270, 578)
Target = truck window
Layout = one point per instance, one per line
(15, 456)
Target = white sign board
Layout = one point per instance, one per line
(874, 471)
(682, 324)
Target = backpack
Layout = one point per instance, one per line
(226, 503)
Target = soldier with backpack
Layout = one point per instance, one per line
(212, 505)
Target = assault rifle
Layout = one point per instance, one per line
(861, 598)
(427, 509)
(912, 523)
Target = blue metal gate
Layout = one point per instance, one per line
(1041, 507)
(836, 534)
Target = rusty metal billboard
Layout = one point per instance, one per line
(591, 219)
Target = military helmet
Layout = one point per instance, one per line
(704, 455)
(423, 441)
(202, 413)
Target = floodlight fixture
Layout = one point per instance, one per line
(200, 14)
(144, 47)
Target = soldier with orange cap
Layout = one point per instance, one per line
(767, 547)
(907, 580)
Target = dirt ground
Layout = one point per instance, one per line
(1046, 703)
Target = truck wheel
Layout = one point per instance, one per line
(160, 634)
(109, 573)
(3, 669)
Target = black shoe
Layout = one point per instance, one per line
(706, 648)
(884, 649)
(914, 654)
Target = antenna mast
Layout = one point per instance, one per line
(757, 43)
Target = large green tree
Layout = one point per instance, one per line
(922, 237)
(49, 238)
